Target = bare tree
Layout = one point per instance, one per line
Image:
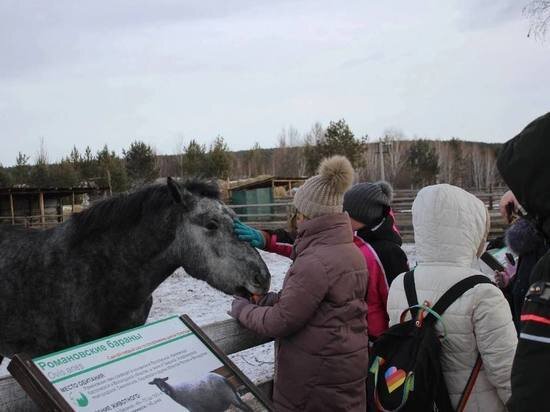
(538, 12)
(396, 155)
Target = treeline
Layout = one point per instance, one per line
(105, 168)
(405, 163)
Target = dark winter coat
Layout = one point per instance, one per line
(386, 242)
(524, 163)
(319, 321)
(524, 241)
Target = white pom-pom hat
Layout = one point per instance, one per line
(323, 194)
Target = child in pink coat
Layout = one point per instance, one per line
(377, 237)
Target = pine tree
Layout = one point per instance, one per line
(5, 177)
(89, 166)
(63, 174)
(112, 171)
(194, 159)
(140, 164)
(40, 173)
(218, 159)
(21, 171)
(338, 139)
(423, 163)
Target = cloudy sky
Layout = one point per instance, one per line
(165, 71)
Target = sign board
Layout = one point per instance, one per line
(168, 365)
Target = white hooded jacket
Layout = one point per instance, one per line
(449, 227)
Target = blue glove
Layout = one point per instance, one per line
(249, 234)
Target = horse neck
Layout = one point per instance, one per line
(140, 257)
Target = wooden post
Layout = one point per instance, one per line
(72, 202)
(12, 209)
(42, 211)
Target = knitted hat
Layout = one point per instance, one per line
(368, 203)
(323, 194)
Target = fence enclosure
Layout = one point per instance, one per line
(275, 215)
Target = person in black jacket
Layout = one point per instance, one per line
(369, 204)
(524, 240)
(524, 164)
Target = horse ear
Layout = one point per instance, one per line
(164, 379)
(180, 194)
(151, 383)
(174, 190)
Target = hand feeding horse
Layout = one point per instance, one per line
(94, 274)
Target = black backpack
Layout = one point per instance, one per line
(405, 373)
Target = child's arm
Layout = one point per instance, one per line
(266, 240)
(274, 245)
(304, 290)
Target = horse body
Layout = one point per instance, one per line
(94, 274)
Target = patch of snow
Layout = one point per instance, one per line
(181, 294)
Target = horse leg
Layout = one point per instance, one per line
(1, 359)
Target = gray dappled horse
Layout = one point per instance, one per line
(94, 274)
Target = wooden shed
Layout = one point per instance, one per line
(261, 198)
(28, 206)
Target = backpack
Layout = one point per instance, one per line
(406, 374)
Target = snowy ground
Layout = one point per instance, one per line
(181, 294)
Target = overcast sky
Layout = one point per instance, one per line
(166, 71)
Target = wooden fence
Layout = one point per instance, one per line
(277, 214)
(228, 335)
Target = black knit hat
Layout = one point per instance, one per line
(368, 203)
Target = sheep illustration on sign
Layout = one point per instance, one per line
(212, 393)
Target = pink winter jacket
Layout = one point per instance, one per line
(377, 292)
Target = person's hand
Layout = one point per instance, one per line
(249, 234)
(269, 299)
(237, 306)
(502, 279)
(508, 199)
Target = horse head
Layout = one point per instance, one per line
(206, 245)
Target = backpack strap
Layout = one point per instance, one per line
(410, 291)
(469, 385)
(457, 291)
(441, 306)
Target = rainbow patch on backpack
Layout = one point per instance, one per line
(394, 378)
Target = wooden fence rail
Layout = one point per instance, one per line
(229, 335)
(277, 214)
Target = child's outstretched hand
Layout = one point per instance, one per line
(237, 306)
(249, 234)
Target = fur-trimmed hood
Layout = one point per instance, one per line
(523, 238)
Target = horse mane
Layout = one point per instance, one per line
(123, 211)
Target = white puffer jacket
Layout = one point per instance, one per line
(449, 226)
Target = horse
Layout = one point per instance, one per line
(94, 274)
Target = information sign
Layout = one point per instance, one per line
(168, 365)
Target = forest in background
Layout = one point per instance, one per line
(407, 163)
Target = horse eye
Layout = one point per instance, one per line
(212, 225)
